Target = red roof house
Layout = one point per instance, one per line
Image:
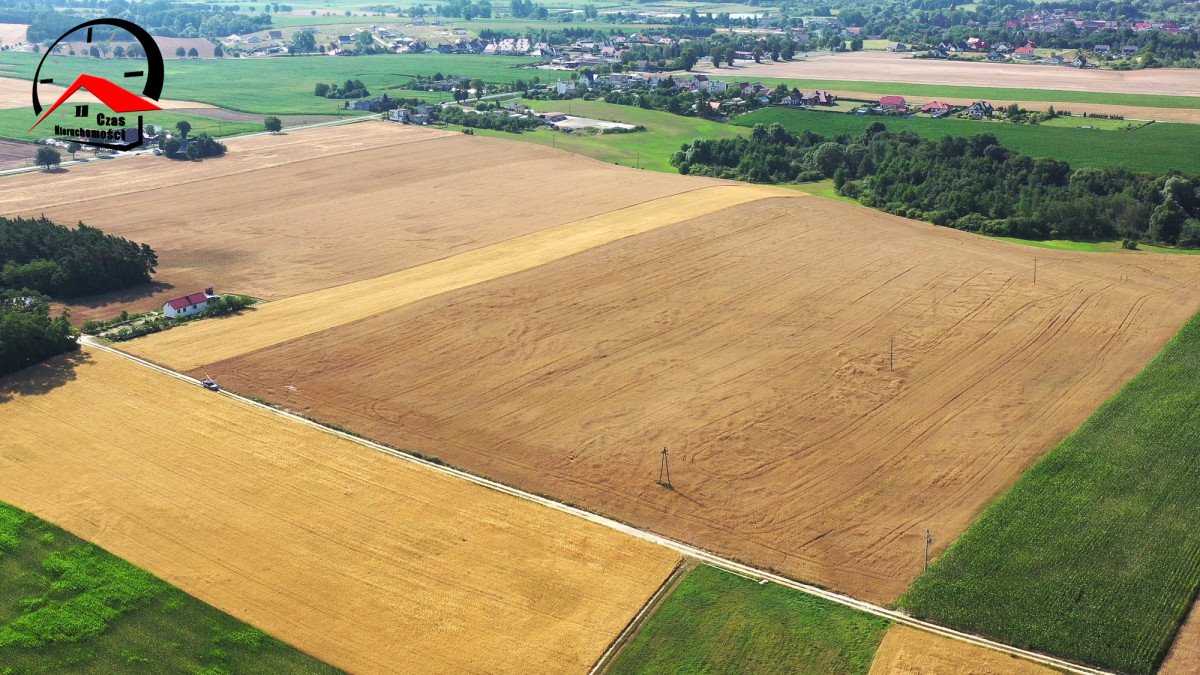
(893, 103)
(935, 107)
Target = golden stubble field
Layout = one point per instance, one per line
(908, 651)
(15, 93)
(875, 66)
(754, 343)
(290, 214)
(369, 562)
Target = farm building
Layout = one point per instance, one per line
(188, 304)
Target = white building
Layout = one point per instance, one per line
(188, 304)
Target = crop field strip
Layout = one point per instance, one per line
(793, 444)
(357, 558)
(909, 651)
(257, 221)
(295, 317)
(1094, 554)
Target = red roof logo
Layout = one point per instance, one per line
(115, 97)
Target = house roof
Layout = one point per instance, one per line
(187, 301)
(935, 105)
(898, 100)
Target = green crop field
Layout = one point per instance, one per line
(997, 95)
(1094, 554)
(284, 85)
(14, 123)
(650, 149)
(716, 622)
(67, 606)
(1154, 148)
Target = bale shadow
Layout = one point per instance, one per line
(44, 377)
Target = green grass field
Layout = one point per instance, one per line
(282, 85)
(68, 606)
(1094, 554)
(14, 123)
(716, 622)
(650, 149)
(1155, 148)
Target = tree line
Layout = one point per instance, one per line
(28, 334)
(972, 184)
(40, 255)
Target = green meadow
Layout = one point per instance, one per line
(716, 622)
(283, 85)
(1154, 148)
(68, 606)
(1094, 554)
(14, 123)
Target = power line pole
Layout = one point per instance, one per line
(1035, 271)
(892, 353)
(665, 465)
(928, 541)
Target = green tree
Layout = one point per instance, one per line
(119, 52)
(47, 157)
(303, 43)
(184, 127)
(179, 52)
(192, 53)
(218, 52)
(73, 148)
(1166, 221)
(273, 124)
(687, 59)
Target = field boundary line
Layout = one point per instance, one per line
(639, 620)
(687, 550)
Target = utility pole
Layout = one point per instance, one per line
(1035, 271)
(892, 353)
(665, 465)
(928, 541)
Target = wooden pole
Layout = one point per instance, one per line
(665, 465)
(892, 353)
(928, 541)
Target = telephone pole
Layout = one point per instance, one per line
(664, 466)
(928, 541)
(1035, 271)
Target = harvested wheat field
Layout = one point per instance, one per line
(753, 342)
(1131, 112)
(369, 562)
(15, 93)
(278, 322)
(283, 215)
(874, 66)
(908, 651)
(1184, 657)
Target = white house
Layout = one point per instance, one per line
(188, 304)
(564, 87)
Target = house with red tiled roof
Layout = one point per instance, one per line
(936, 108)
(893, 103)
(188, 304)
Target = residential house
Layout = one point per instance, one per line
(936, 108)
(898, 47)
(345, 40)
(1080, 61)
(1129, 50)
(980, 109)
(275, 34)
(1102, 49)
(1028, 52)
(1056, 60)
(700, 82)
(995, 56)
(552, 117)
(188, 304)
(893, 103)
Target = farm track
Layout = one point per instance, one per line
(753, 342)
(689, 552)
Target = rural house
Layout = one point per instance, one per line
(188, 304)
(1129, 50)
(980, 109)
(936, 108)
(893, 103)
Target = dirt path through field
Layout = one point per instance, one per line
(369, 562)
(204, 342)
(872, 66)
(908, 651)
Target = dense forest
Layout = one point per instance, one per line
(27, 332)
(967, 183)
(40, 255)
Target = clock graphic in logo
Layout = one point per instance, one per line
(108, 124)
